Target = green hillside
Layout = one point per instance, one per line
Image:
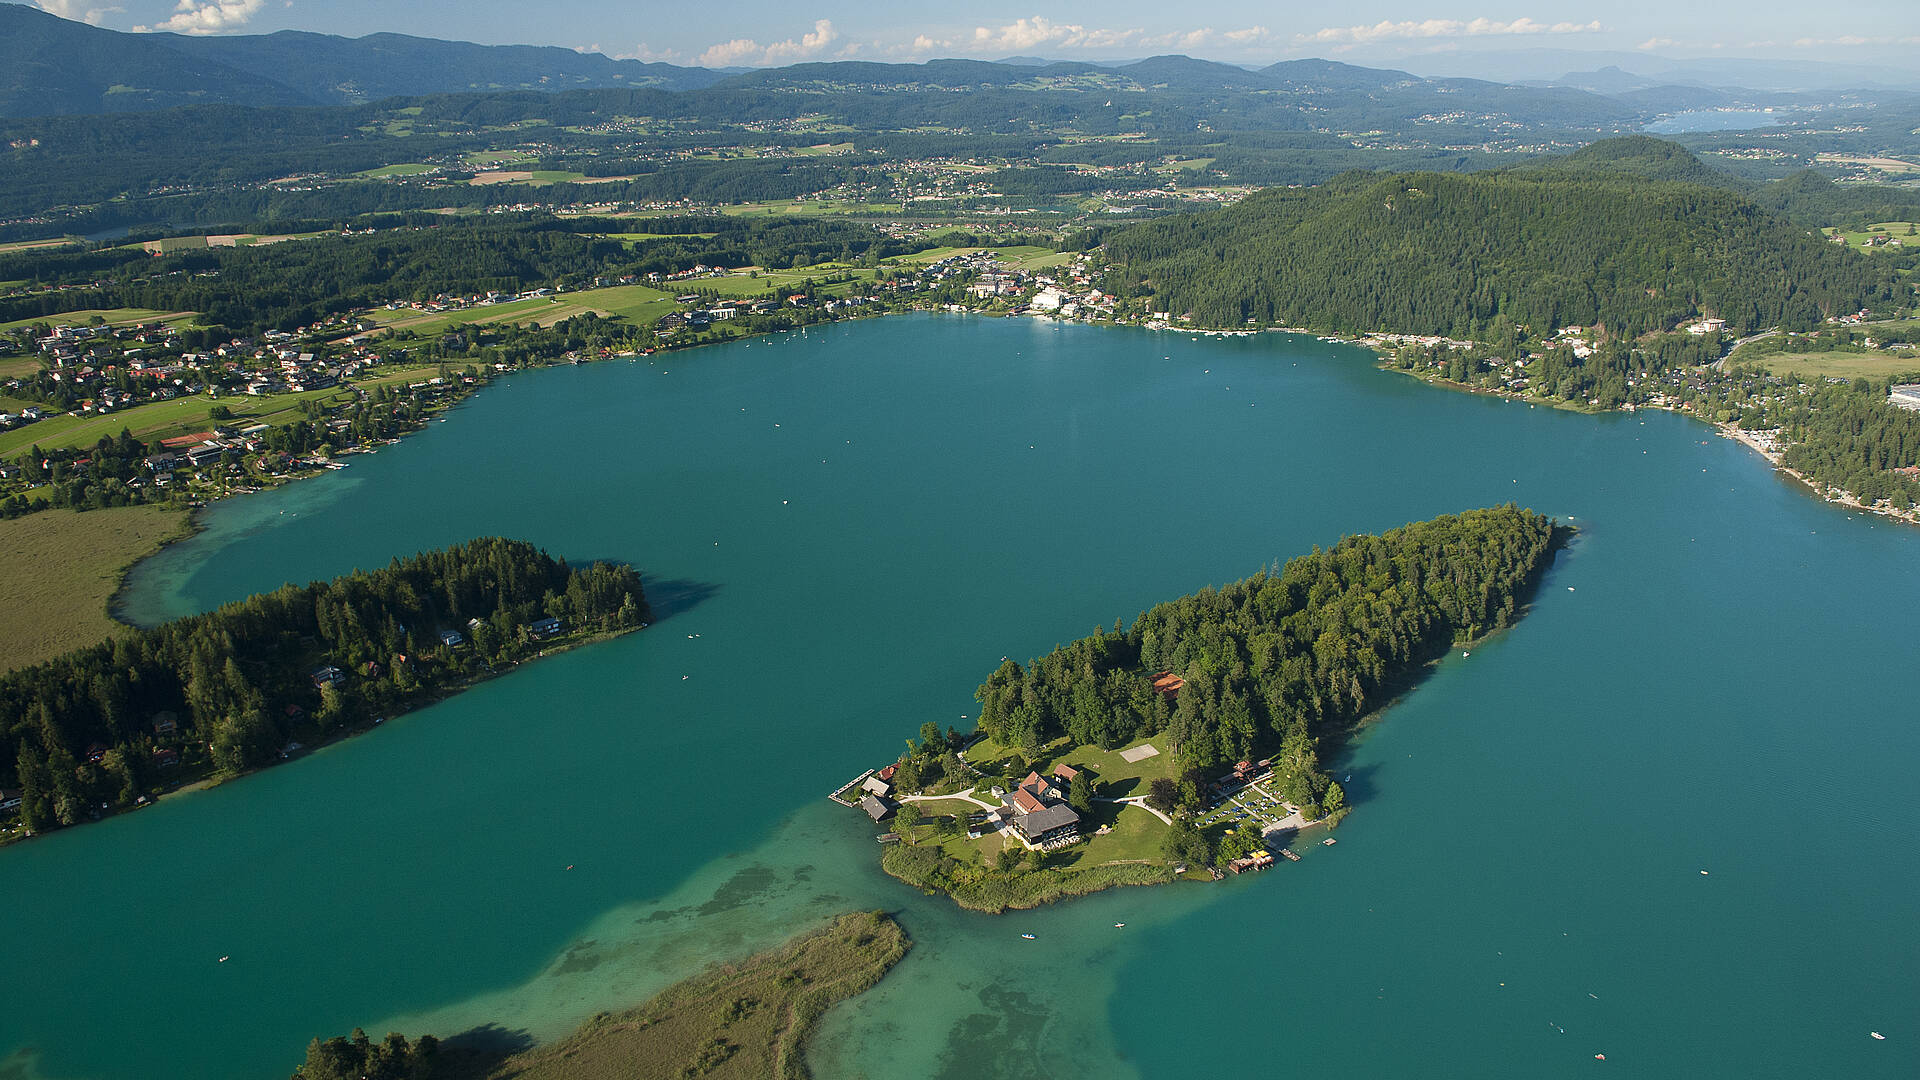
(1585, 240)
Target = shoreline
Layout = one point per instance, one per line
(16, 835)
(997, 890)
(1827, 494)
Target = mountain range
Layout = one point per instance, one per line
(52, 66)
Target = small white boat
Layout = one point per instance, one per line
(1029, 937)
(224, 960)
(1875, 1034)
(1118, 925)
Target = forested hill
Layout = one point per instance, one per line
(53, 66)
(1282, 660)
(1587, 242)
(222, 693)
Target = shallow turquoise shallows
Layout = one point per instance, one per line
(845, 530)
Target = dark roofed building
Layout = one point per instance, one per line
(1048, 826)
(876, 807)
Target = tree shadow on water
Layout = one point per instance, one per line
(668, 597)
(478, 1052)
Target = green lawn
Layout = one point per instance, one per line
(15, 367)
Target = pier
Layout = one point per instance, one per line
(834, 795)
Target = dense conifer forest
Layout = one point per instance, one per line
(223, 692)
(1449, 254)
(1286, 660)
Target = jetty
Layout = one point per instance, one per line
(851, 785)
(1289, 854)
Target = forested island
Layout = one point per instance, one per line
(215, 695)
(1129, 753)
(746, 1020)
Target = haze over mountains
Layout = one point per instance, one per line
(52, 66)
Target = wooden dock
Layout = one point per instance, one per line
(852, 785)
(1289, 854)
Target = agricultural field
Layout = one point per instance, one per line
(747, 284)
(386, 171)
(15, 367)
(1897, 230)
(1874, 364)
(63, 568)
(636, 302)
(811, 208)
(112, 317)
(37, 245)
(1024, 258)
(632, 238)
(530, 177)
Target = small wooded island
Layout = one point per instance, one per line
(216, 695)
(1192, 742)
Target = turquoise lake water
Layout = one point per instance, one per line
(1715, 120)
(845, 530)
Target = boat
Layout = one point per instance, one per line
(1118, 925)
(1029, 937)
(1329, 841)
(1875, 1034)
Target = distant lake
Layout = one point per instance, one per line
(1667, 818)
(1714, 120)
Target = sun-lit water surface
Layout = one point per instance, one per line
(846, 529)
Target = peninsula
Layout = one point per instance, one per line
(1193, 742)
(750, 1019)
(213, 696)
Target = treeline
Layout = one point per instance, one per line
(224, 691)
(357, 1057)
(1282, 661)
(1848, 436)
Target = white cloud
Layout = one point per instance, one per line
(76, 10)
(1844, 39)
(208, 16)
(1657, 43)
(1441, 28)
(746, 52)
(1040, 33)
(646, 54)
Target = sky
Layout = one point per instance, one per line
(758, 33)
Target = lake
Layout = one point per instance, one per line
(1714, 120)
(843, 531)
